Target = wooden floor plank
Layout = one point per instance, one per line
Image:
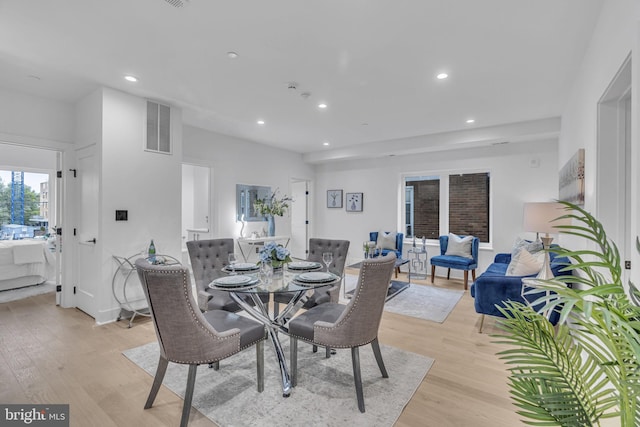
(50, 354)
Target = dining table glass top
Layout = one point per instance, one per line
(283, 281)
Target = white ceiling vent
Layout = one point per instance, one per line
(177, 3)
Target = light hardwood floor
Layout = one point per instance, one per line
(53, 355)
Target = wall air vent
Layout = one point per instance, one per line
(177, 3)
(158, 136)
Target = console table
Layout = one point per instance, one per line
(250, 242)
(418, 262)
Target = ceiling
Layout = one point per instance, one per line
(373, 62)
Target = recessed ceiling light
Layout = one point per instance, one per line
(471, 121)
(326, 143)
(131, 79)
(442, 76)
(322, 105)
(260, 122)
(232, 55)
(34, 77)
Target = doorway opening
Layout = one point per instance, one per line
(30, 210)
(196, 205)
(613, 178)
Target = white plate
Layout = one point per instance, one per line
(232, 280)
(243, 266)
(301, 265)
(315, 277)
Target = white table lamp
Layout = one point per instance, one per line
(541, 217)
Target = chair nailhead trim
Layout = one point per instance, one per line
(185, 288)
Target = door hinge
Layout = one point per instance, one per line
(627, 265)
(58, 174)
(306, 222)
(74, 290)
(306, 193)
(58, 288)
(74, 231)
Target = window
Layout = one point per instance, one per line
(463, 199)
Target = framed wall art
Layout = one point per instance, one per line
(572, 179)
(334, 198)
(354, 202)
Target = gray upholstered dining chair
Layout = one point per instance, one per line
(348, 326)
(188, 336)
(208, 257)
(339, 250)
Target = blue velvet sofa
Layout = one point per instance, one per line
(493, 286)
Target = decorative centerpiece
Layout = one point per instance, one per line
(277, 254)
(270, 206)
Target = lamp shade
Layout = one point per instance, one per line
(539, 217)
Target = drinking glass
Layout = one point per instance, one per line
(232, 263)
(266, 271)
(327, 257)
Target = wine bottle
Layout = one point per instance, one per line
(152, 252)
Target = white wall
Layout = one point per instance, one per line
(617, 35)
(147, 184)
(33, 120)
(237, 161)
(513, 182)
(26, 159)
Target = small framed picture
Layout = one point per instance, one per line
(334, 198)
(354, 202)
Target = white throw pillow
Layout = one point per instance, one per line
(387, 240)
(459, 246)
(525, 263)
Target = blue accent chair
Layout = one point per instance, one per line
(456, 262)
(373, 237)
(493, 287)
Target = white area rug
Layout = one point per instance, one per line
(28, 291)
(325, 394)
(421, 301)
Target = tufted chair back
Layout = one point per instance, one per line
(358, 324)
(339, 249)
(184, 335)
(208, 257)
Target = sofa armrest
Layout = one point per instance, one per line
(502, 258)
(489, 290)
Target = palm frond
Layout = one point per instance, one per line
(550, 381)
(589, 367)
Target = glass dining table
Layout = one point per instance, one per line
(295, 283)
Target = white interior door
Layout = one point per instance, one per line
(88, 265)
(299, 219)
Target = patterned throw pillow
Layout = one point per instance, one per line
(531, 247)
(459, 246)
(525, 263)
(387, 240)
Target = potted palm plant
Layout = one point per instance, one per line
(585, 369)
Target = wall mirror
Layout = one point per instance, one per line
(246, 195)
